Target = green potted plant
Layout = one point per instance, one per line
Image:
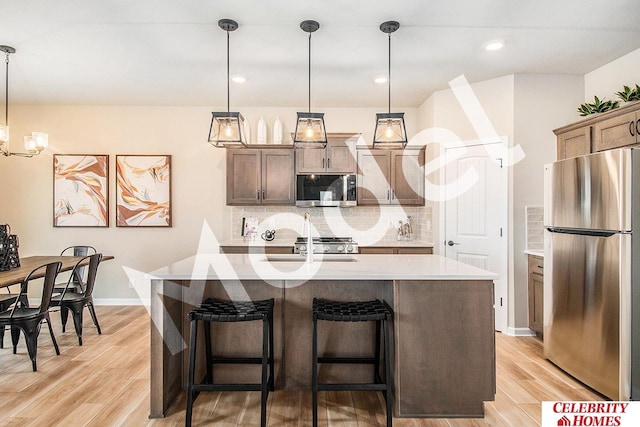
(597, 106)
(628, 94)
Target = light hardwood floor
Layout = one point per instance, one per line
(106, 383)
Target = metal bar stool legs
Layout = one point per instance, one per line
(227, 311)
(360, 311)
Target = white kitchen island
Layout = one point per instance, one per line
(443, 325)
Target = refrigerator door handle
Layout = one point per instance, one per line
(582, 232)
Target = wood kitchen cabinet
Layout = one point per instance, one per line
(574, 143)
(338, 157)
(392, 250)
(260, 177)
(617, 131)
(535, 293)
(605, 131)
(391, 177)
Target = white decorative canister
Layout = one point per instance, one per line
(262, 131)
(247, 131)
(277, 131)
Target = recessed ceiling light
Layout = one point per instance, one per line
(238, 79)
(494, 45)
(380, 79)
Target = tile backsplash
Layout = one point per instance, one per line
(534, 221)
(365, 224)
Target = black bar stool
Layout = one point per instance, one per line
(229, 311)
(354, 311)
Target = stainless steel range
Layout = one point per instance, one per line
(327, 245)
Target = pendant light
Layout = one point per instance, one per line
(310, 131)
(390, 131)
(34, 143)
(227, 127)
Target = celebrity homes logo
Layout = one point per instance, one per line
(590, 414)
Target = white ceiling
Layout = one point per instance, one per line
(169, 52)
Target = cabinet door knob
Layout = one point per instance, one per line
(328, 163)
(638, 127)
(631, 128)
(262, 194)
(322, 163)
(258, 195)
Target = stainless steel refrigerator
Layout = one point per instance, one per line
(591, 270)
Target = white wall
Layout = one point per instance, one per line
(525, 109)
(198, 179)
(610, 78)
(541, 103)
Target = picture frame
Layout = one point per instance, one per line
(80, 190)
(143, 190)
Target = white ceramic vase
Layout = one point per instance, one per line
(247, 131)
(262, 131)
(277, 131)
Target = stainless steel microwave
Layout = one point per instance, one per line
(326, 190)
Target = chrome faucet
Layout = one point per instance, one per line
(307, 223)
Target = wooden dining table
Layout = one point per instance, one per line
(28, 264)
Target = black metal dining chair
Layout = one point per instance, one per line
(6, 301)
(71, 300)
(21, 317)
(79, 275)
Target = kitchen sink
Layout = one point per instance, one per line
(316, 258)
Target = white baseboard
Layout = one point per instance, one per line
(120, 301)
(106, 301)
(520, 332)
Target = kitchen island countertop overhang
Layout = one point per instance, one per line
(363, 267)
(443, 340)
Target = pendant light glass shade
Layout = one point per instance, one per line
(34, 143)
(310, 131)
(227, 128)
(390, 131)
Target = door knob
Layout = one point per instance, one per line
(451, 243)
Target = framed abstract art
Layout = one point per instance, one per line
(80, 190)
(143, 191)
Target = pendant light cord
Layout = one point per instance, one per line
(6, 94)
(389, 74)
(309, 72)
(228, 88)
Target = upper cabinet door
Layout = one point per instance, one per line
(374, 169)
(615, 132)
(340, 156)
(277, 177)
(574, 143)
(407, 177)
(243, 177)
(310, 160)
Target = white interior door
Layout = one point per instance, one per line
(476, 216)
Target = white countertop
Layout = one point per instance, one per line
(361, 267)
(290, 242)
(259, 242)
(536, 252)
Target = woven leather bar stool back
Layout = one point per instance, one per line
(227, 311)
(354, 311)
